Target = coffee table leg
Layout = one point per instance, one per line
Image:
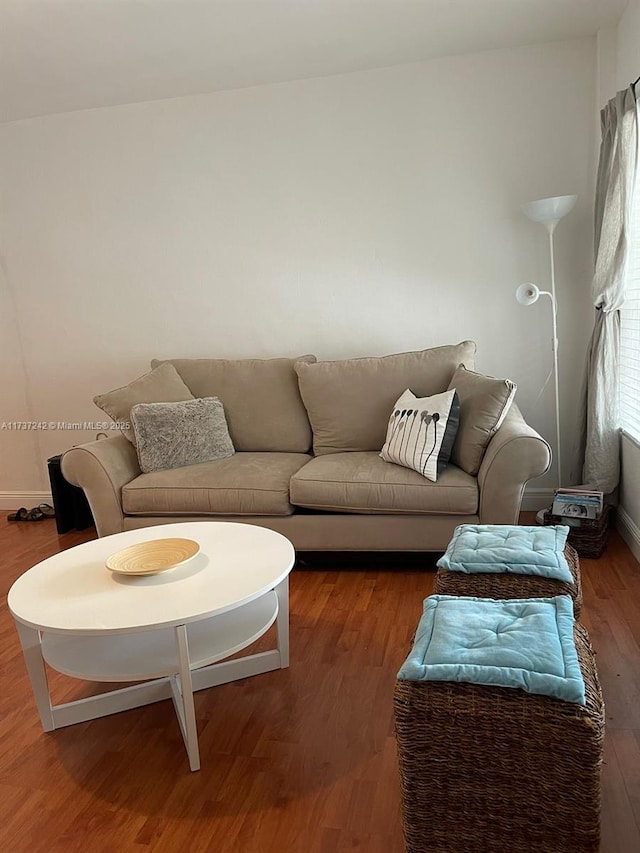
(183, 699)
(32, 651)
(282, 622)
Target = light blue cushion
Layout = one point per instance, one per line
(526, 643)
(507, 548)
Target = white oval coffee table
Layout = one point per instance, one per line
(170, 630)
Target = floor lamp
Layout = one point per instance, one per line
(548, 211)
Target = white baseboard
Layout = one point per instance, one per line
(15, 500)
(629, 530)
(535, 499)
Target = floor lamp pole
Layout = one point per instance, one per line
(549, 211)
(551, 228)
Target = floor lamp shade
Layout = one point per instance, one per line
(527, 294)
(549, 211)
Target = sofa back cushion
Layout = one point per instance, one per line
(348, 402)
(484, 403)
(161, 385)
(260, 397)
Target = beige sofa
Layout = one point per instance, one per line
(307, 437)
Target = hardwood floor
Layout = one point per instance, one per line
(300, 760)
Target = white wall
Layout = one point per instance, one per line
(360, 214)
(627, 70)
(628, 58)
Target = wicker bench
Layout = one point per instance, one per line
(504, 585)
(498, 770)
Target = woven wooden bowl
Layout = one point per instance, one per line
(151, 558)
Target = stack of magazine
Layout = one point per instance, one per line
(577, 504)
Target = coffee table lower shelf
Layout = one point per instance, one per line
(172, 663)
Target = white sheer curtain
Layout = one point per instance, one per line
(616, 175)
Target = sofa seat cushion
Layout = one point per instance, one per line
(363, 482)
(243, 484)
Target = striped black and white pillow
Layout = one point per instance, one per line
(421, 432)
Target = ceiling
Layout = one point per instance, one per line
(60, 55)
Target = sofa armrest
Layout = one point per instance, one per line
(515, 455)
(102, 468)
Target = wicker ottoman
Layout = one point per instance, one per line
(504, 585)
(498, 770)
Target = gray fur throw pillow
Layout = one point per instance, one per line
(172, 435)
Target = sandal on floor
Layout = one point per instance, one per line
(34, 514)
(18, 515)
(47, 510)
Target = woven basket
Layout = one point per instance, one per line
(504, 585)
(498, 770)
(590, 539)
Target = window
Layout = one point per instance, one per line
(630, 331)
